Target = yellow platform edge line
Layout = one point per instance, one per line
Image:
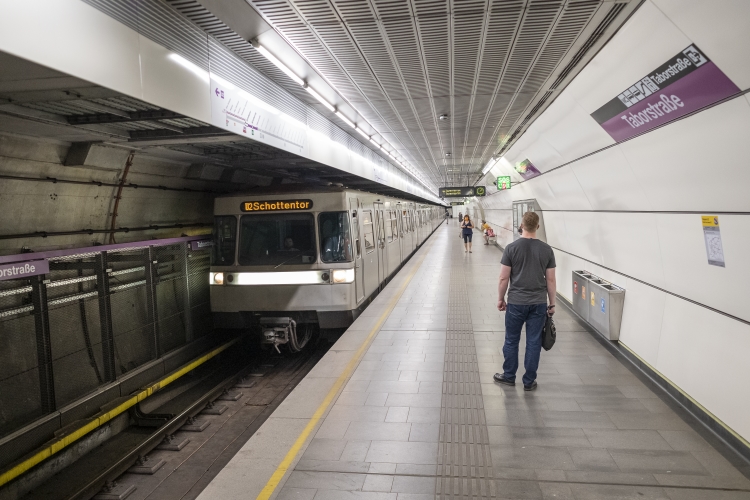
(283, 467)
(689, 397)
(105, 417)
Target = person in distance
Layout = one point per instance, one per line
(528, 266)
(467, 231)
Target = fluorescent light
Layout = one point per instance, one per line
(362, 133)
(489, 165)
(373, 141)
(320, 99)
(203, 74)
(279, 64)
(282, 278)
(346, 120)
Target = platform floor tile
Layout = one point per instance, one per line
(421, 418)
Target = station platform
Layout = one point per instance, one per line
(403, 407)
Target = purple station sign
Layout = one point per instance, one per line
(23, 269)
(685, 83)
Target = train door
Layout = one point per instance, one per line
(359, 272)
(381, 249)
(370, 249)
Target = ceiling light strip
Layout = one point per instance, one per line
(330, 107)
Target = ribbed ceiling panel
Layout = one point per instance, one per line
(402, 63)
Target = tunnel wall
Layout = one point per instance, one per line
(28, 206)
(631, 212)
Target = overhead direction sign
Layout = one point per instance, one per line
(462, 191)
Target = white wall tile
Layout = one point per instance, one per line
(629, 243)
(609, 183)
(583, 235)
(705, 354)
(686, 269)
(721, 28)
(697, 163)
(567, 191)
(642, 318)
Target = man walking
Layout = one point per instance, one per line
(528, 265)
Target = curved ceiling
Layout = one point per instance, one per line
(491, 66)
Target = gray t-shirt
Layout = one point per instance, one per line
(528, 260)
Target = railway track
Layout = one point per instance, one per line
(177, 442)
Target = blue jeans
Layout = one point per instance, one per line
(515, 316)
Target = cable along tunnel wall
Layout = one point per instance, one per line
(94, 317)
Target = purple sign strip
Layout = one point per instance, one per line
(703, 86)
(29, 257)
(23, 269)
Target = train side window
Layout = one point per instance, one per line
(225, 240)
(394, 223)
(367, 231)
(388, 226)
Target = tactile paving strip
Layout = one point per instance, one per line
(464, 461)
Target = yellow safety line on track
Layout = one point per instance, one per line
(283, 467)
(105, 417)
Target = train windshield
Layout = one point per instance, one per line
(335, 238)
(277, 239)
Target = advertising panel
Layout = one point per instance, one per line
(527, 169)
(685, 83)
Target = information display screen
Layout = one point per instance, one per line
(276, 205)
(503, 182)
(462, 191)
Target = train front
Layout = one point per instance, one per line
(282, 264)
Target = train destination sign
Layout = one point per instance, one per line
(685, 83)
(456, 203)
(276, 205)
(462, 191)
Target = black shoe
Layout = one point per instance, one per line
(530, 387)
(499, 378)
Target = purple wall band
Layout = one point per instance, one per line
(702, 87)
(29, 257)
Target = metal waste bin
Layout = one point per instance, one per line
(580, 286)
(605, 307)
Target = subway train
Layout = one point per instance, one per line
(288, 262)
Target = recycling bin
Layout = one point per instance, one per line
(580, 287)
(605, 303)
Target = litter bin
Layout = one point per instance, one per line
(605, 307)
(580, 286)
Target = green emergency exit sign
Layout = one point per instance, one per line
(503, 182)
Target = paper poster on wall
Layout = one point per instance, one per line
(685, 83)
(235, 110)
(712, 237)
(527, 169)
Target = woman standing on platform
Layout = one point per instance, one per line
(467, 231)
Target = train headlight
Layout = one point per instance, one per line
(343, 275)
(217, 278)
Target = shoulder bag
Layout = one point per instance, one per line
(549, 334)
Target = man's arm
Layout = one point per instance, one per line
(502, 286)
(551, 289)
